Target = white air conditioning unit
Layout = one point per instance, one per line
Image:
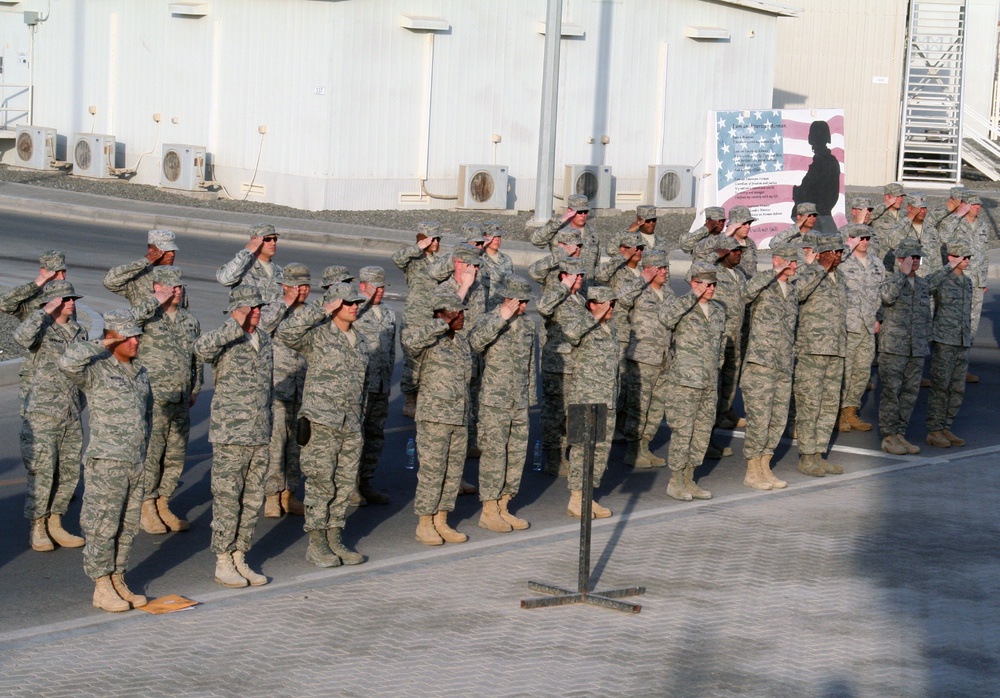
(183, 167)
(92, 154)
(670, 186)
(482, 186)
(593, 181)
(35, 147)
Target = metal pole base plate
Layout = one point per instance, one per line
(564, 597)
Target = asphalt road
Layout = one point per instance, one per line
(42, 589)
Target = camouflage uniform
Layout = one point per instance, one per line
(378, 325)
(51, 434)
(496, 268)
(508, 389)
(976, 236)
(927, 237)
(334, 403)
(590, 249)
(790, 235)
(240, 426)
(863, 279)
(749, 262)
(284, 453)
(120, 401)
(951, 337)
(729, 292)
(699, 243)
(902, 347)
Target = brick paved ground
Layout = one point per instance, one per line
(881, 583)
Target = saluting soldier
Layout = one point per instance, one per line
(545, 271)
(133, 280)
(700, 242)
(805, 221)
(914, 226)
(888, 214)
(645, 225)
(497, 265)
(731, 280)
(575, 218)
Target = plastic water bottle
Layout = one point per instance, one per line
(536, 459)
(411, 454)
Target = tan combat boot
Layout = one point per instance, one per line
(855, 421)
(106, 598)
(734, 419)
(843, 422)
(426, 533)
(890, 444)
(910, 448)
(371, 495)
(226, 574)
(490, 518)
(753, 478)
(356, 500)
(952, 439)
(467, 488)
(971, 378)
(765, 470)
(715, 451)
(647, 459)
(937, 438)
(339, 548)
(149, 519)
(514, 522)
(318, 552)
(135, 600)
(410, 405)
(690, 486)
(676, 489)
(240, 563)
(60, 535)
(809, 465)
(575, 506)
(599, 512)
(39, 536)
(291, 505)
(447, 533)
(169, 519)
(828, 467)
(272, 506)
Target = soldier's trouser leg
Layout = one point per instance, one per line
(330, 461)
(237, 494)
(441, 451)
(167, 450)
(410, 380)
(766, 394)
(977, 309)
(376, 416)
(112, 501)
(949, 364)
(900, 379)
(574, 479)
(818, 380)
(652, 389)
(691, 416)
(628, 386)
(503, 439)
(473, 417)
(553, 410)
(857, 367)
(283, 426)
(51, 450)
(729, 375)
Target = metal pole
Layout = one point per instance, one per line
(547, 125)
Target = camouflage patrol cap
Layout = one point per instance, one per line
(516, 287)
(334, 274)
(828, 242)
(971, 197)
(296, 274)
(957, 248)
(893, 189)
(740, 214)
(916, 200)
(578, 202)
(715, 213)
(262, 229)
(806, 208)
(788, 252)
(343, 291)
(655, 258)
(163, 239)
(856, 230)
(373, 276)
(52, 260)
(166, 276)
(57, 289)
(862, 202)
(570, 236)
(956, 192)
(810, 240)
(572, 265)
(601, 294)
(701, 271)
(470, 254)
(493, 229)
(122, 322)
(443, 298)
(628, 239)
(908, 248)
(472, 232)
(428, 229)
(646, 212)
(724, 244)
(244, 297)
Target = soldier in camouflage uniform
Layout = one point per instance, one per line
(497, 265)
(903, 340)
(254, 266)
(133, 280)
(647, 355)
(335, 274)
(167, 353)
(416, 262)
(559, 307)
(731, 280)
(805, 221)
(887, 215)
(914, 227)
(334, 404)
(575, 217)
(51, 434)
(645, 225)
(378, 325)
(766, 380)
(937, 215)
(442, 411)
(545, 271)
(740, 219)
(863, 273)
(507, 341)
(121, 403)
(698, 323)
(951, 337)
(239, 431)
(820, 346)
(283, 467)
(700, 243)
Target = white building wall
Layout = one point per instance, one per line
(633, 77)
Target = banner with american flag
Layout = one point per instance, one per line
(771, 160)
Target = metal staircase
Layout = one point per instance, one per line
(930, 148)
